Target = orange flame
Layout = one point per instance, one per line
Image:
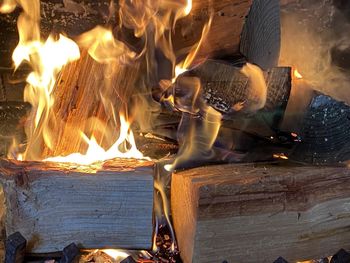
(297, 74)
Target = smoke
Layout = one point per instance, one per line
(315, 40)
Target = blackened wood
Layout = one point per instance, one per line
(15, 248)
(261, 36)
(280, 260)
(256, 213)
(70, 254)
(341, 256)
(96, 207)
(224, 86)
(129, 259)
(325, 132)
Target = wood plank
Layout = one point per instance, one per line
(256, 213)
(53, 205)
(261, 36)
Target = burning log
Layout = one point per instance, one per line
(52, 204)
(224, 87)
(246, 213)
(79, 101)
(221, 40)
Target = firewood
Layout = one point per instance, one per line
(247, 213)
(224, 86)
(221, 40)
(53, 205)
(325, 132)
(77, 100)
(261, 36)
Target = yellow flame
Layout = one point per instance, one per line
(297, 74)
(257, 88)
(102, 45)
(188, 8)
(116, 254)
(8, 6)
(124, 147)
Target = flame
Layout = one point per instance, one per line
(188, 8)
(7, 6)
(116, 254)
(297, 74)
(280, 156)
(124, 147)
(102, 46)
(257, 87)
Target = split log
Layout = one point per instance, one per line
(79, 94)
(261, 37)
(246, 213)
(224, 86)
(325, 132)
(221, 40)
(53, 205)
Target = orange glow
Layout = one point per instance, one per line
(124, 147)
(297, 75)
(280, 156)
(188, 8)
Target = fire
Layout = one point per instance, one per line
(188, 8)
(151, 21)
(96, 153)
(297, 75)
(7, 6)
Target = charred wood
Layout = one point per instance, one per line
(325, 132)
(261, 37)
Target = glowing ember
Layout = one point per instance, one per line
(280, 156)
(297, 75)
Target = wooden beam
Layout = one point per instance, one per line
(256, 213)
(53, 205)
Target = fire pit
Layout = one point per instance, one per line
(174, 131)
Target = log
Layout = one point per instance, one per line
(261, 36)
(221, 40)
(325, 132)
(53, 205)
(257, 213)
(80, 92)
(224, 86)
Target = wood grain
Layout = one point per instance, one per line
(223, 38)
(80, 92)
(256, 213)
(261, 36)
(53, 205)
